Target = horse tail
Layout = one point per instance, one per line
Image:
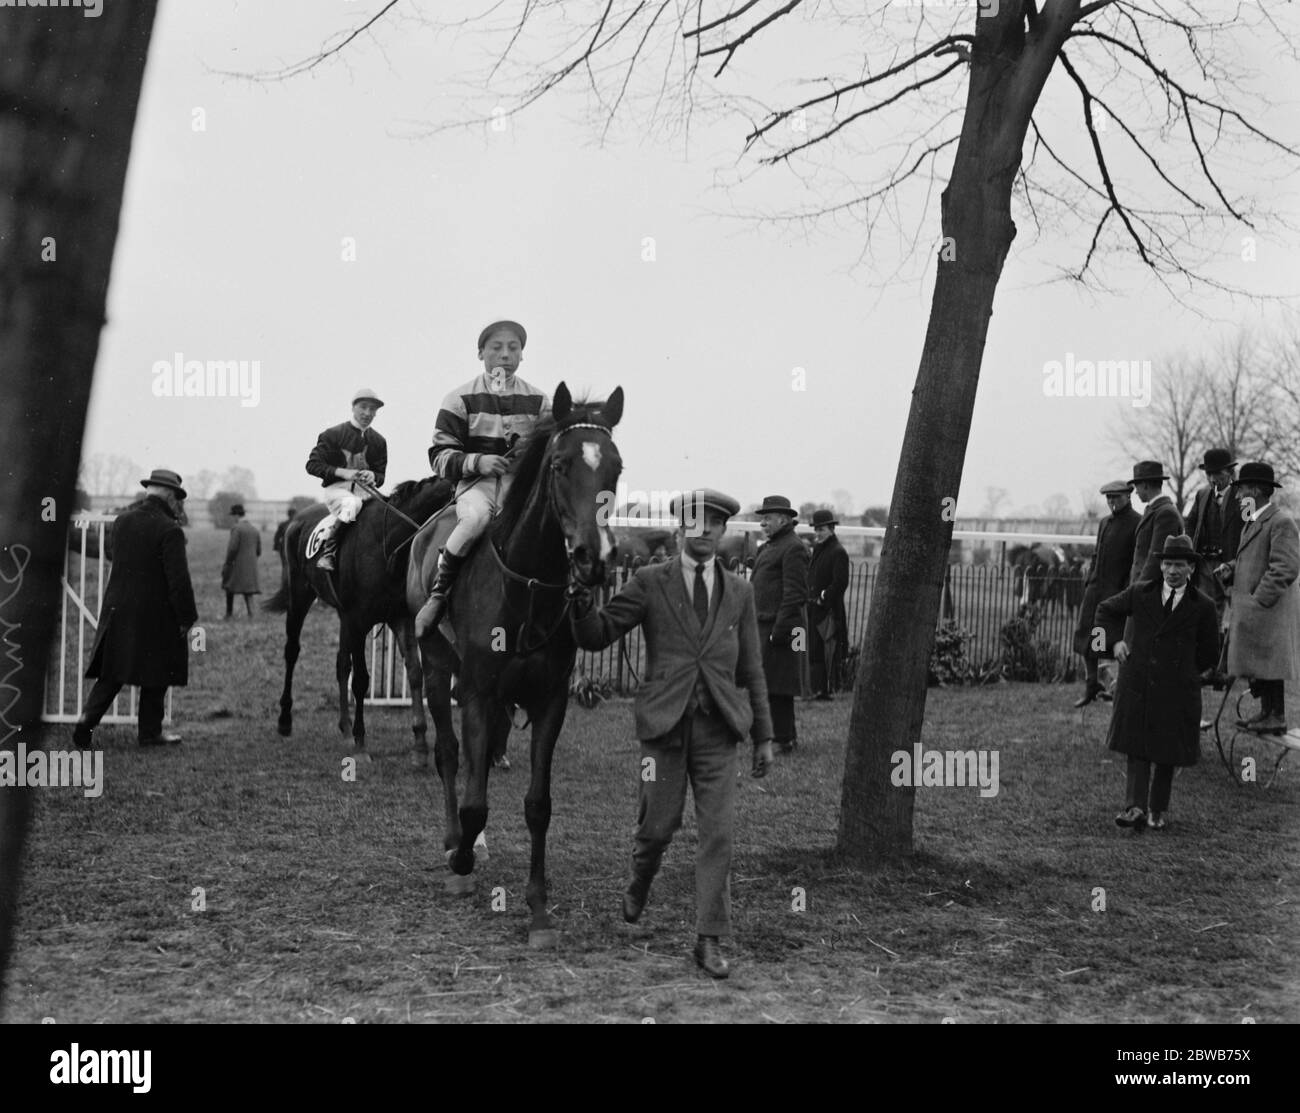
(280, 601)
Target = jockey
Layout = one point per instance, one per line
(478, 425)
(344, 455)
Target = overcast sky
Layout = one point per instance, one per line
(233, 241)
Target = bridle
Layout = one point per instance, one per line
(532, 583)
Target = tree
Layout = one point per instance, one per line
(111, 474)
(875, 516)
(241, 481)
(200, 484)
(994, 498)
(219, 508)
(842, 502)
(1116, 49)
(1282, 375)
(1056, 507)
(1173, 427)
(69, 87)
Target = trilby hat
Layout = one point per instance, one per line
(1149, 469)
(1256, 473)
(161, 477)
(777, 504)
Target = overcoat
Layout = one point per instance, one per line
(148, 600)
(239, 573)
(1157, 712)
(780, 580)
(828, 571)
(723, 655)
(1264, 627)
(1111, 564)
(1159, 521)
(1216, 533)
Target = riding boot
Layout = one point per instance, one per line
(430, 614)
(329, 546)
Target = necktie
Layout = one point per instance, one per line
(1169, 605)
(701, 596)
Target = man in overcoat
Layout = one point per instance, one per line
(1108, 575)
(828, 580)
(702, 691)
(1214, 524)
(1160, 520)
(147, 611)
(1264, 624)
(239, 572)
(1157, 714)
(348, 459)
(780, 582)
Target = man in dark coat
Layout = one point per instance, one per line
(239, 572)
(1108, 575)
(828, 580)
(1158, 696)
(1214, 524)
(703, 691)
(780, 580)
(1160, 520)
(147, 610)
(349, 459)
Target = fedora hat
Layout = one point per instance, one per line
(237, 511)
(1179, 547)
(1216, 459)
(824, 518)
(1149, 470)
(701, 499)
(1256, 473)
(513, 326)
(1117, 487)
(365, 394)
(777, 504)
(161, 477)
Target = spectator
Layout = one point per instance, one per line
(1108, 575)
(239, 573)
(780, 582)
(828, 580)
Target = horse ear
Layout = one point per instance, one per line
(563, 403)
(612, 410)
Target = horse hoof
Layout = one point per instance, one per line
(460, 884)
(284, 730)
(543, 938)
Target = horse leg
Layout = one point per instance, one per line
(446, 746)
(537, 813)
(360, 683)
(342, 670)
(479, 717)
(404, 633)
(293, 620)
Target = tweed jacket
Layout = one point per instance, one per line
(723, 656)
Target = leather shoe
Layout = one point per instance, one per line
(1132, 817)
(1158, 821)
(708, 957)
(1091, 691)
(1106, 696)
(161, 740)
(81, 738)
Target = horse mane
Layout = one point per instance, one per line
(406, 493)
(528, 462)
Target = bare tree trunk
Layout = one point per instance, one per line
(69, 86)
(1007, 73)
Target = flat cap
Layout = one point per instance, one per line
(1117, 487)
(694, 503)
(513, 326)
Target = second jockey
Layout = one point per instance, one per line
(345, 455)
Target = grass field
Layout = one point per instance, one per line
(323, 897)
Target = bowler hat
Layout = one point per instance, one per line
(824, 518)
(1256, 473)
(365, 394)
(161, 477)
(237, 511)
(513, 326)
(1179, 547)
(1117, 487)
(777, 504)
(701, 499)
(1149, 469)
(1216, 459)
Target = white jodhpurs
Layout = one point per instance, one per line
(477, 502)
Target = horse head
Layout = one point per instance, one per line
(583, 467)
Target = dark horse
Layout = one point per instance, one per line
(371, 578)
(509, 617)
